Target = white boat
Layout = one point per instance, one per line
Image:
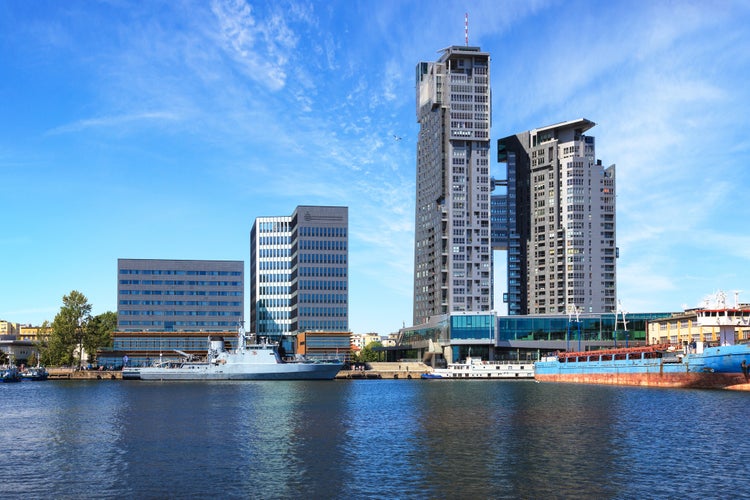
(476, 368)
(251, 360)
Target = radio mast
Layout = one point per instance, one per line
(466, 28)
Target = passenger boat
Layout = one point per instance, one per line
(35, 374)
(478, 369)
(253, 359)
(9, 374)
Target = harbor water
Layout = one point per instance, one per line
(359, 439)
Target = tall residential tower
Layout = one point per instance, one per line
(560, 225)
(452, 254)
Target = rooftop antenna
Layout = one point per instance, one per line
(466, 28)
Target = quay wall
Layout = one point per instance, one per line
(387, 370)
(401, 371)
(74, 373)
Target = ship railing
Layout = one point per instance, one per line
(507, 362)
(606, 352)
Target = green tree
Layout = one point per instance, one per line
(42, 342)
(368, 353)
(69, 329)
(99, 333)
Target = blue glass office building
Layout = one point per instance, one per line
(448, 338)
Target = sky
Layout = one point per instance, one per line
(163, 129)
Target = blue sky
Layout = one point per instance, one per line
(163, 129)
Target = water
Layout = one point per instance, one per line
(370, 439)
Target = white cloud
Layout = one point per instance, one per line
(130, 120)
(262, 47)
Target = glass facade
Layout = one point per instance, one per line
(270, 276)
(299, 272)
(518, 337)
(473, 327)
(595, 327)
(437, 331)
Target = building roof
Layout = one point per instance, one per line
(581, 123)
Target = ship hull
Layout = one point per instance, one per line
(284, 371)
(716, 368)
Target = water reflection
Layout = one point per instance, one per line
(369, 439)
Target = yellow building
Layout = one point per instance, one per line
(8, 329)
(710, 326)
(32, 333)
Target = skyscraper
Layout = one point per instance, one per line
(561, 225)
(452, 254)
(299, 272)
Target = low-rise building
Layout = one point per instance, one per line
(8, 328)
(711, 325)
(452, 337)
(323, 345)
(17, 351)
(32, 333)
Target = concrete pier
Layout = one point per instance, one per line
(76, 374)
(387, 370)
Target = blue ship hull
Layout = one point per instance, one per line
(716, 367)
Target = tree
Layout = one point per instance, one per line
(42, 342)
(68, 329)
(368, 353)
(99, 332)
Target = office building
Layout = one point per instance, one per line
(168, 308)
(179, 295)
(299, 273)
(452, 253)
(560, 228)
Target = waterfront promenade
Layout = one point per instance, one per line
(75, 373)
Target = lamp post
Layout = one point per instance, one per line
(578, 322)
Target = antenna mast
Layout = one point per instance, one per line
(466, 28)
